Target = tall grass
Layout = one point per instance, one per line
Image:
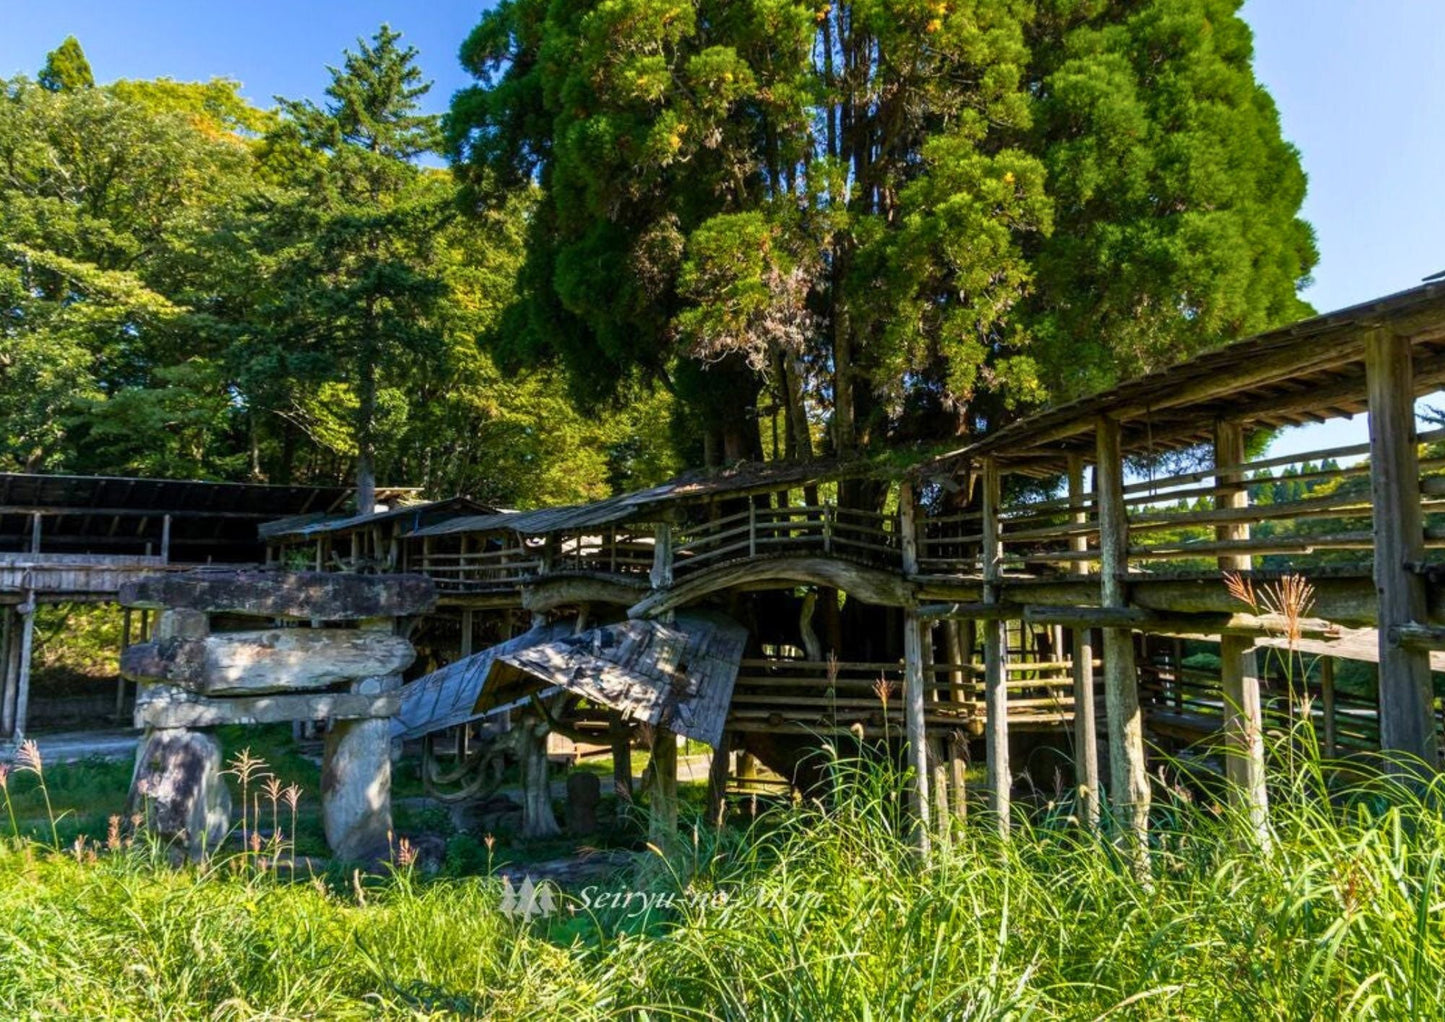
(818, 911)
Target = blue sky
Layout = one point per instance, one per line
(1358, 84)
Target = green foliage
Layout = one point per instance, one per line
(192, 286)
(911, 218)
(66, 68)
(818, 911)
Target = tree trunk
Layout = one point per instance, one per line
(366, 437)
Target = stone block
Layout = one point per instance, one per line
(178, 788)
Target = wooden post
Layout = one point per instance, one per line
(908, 527)
(1086, 731)
(662, 809)
(717, 779)
(22, 682)
(1327, 704)
(913, 722)
(468, 632)
(35, 533)
(1407, 720)
(958, 777)
(619, 734)
(166, 540)
(120, 678)
(995, 644)
(661, 575)
(7, 670)
(752, 528)
(1239, 665)
(1128, 769)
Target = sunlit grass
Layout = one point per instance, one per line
(819, 911)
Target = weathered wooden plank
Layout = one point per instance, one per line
(1239, 665)
(328, 596)
(995, 653)
(273, 660)
(1406, 698)
(163, 706)
(915, 727)
(1086, 733)
(1128, 769)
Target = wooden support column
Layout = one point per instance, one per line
(913, 722)
(1239, 664)
(1407, 720)
(1086, 730)
(717, 779)
(166, 540)
(908, 527)
(8, 670)
(995, 649)
(661, 575)
(1128, 769)
(662, 806)
(1327, 704)
(22, 681)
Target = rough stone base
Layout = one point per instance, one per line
(177, 787)
(356, 790)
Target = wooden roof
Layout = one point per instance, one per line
(655, 502)
(1310, 371)
(413, 516)
(118, 514)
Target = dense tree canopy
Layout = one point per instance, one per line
(192, 286)
(904, 218)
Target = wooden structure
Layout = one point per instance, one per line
(1007, 586)
(78, 539)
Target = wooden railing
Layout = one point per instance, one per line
(801, 696)
(1188, 704)
(759, 531)
(1322, 514)
(612, 550)
(481, 570)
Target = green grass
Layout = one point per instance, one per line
(813, 912)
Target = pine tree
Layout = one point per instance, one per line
(66, 68)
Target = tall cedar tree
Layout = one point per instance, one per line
(66, 68)
(906, 218)
(359, 290)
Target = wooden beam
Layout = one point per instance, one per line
(995, 646)
(914, 726)
(1239, 665)
(22, 681)
(970, 611)
(908, 527)
(1128, 769)
(1407, 720)
(661, 575)
(1086, 730)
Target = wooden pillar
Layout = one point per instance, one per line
(908, 527)
(7, 669)
(995, 645)
(166, 540)
(661, 575)
(913, 722)
(1407, 720)
(468, 632)
(662, 809)
(1086, 730)
(1128, 769)
(1239, 665)
(1327, 704)
(717, 779)
(120, 678)
(22, 681)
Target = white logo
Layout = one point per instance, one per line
(529, 901)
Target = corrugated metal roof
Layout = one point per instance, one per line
(314, 524)
(641, 504)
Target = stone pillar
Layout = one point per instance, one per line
(178, 789)
(356, 781)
